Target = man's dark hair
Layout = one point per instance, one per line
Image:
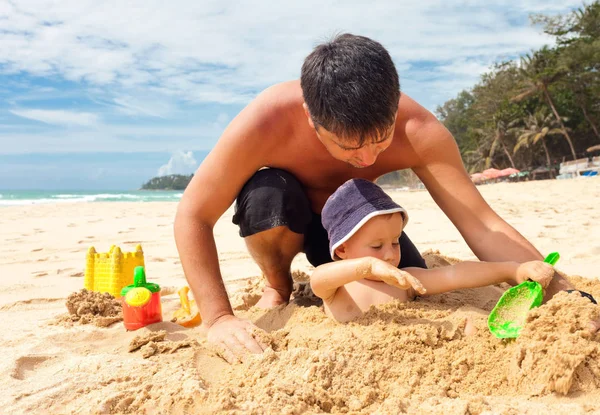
(351, 88)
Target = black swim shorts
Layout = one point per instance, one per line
(274, 197)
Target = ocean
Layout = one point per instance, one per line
(33, 197)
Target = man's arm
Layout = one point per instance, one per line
(239, 153)
(441, 169)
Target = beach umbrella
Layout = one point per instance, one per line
(478, 177)
(509, 171)
(491, 173)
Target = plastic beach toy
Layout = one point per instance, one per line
(508, 316)
(111, 271)
(141, 302)
(188, 315)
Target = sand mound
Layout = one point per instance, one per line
(397, 358)
(556, 352)
(89, 307)
(247, 295)
(411, 358)
(151, 343)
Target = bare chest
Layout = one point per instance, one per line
(355, 298)
(321, 174)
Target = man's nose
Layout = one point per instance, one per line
(368, 155)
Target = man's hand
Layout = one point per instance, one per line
(537, 271)
(235, 338)
(383, 271)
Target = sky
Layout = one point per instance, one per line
(107, 94)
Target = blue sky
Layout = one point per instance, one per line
(105, 95)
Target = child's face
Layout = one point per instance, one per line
(377, 238)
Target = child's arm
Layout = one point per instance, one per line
(471, 274)
(327, 278)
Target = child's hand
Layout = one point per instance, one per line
(535, 271)
(383, 271)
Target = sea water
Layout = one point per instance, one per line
(32, 197)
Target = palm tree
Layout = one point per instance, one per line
(539, 72)
(493, 138)
(582, 77)
(537, 127)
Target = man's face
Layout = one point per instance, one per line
(347, 150)
(357, 156)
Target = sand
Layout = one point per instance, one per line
(89, 307)
(398, 358)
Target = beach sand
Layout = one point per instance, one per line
(412, 358)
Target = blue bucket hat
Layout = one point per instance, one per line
(351, 206)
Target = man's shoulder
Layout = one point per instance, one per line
(278, 106)
(420, 127)
(411, 112)
(271, 115)
(281, 96)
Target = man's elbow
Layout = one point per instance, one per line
(189, 219)
(182, 220)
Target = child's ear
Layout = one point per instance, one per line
(340, 251)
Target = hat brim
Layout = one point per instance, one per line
(365, 220)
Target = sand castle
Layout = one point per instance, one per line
(111, 271)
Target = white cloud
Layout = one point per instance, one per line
(152, 68)
(136, 106)
(19, 139)
(224, 51)
(58, 117)
(181, 162)
(221, 121)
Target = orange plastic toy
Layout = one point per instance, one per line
(188, 315)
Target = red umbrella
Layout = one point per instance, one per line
(491, 173)
(509, 171)
(478, 177)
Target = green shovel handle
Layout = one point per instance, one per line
(552, 258)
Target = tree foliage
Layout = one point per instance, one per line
(539, 110)
(171, 182)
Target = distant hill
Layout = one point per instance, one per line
(171, 182)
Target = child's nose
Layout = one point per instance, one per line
(389, 254)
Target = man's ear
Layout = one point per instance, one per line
(310, 120)
(340, 251)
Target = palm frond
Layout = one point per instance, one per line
(538, 137)
(525, 94)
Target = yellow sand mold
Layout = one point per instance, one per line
(111, 271)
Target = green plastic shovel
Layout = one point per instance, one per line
(508, 316)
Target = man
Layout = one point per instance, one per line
(344, 119)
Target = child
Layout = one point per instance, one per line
(364, 224)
